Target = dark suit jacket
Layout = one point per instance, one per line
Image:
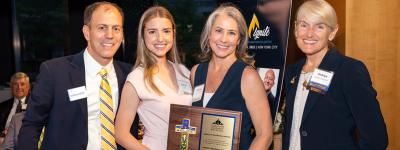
(331, 121)
(66, 121)
(272, 105)
(5, 108)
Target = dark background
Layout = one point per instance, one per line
(34, 31)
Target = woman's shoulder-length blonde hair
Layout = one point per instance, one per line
(233, 12)
(144, 57)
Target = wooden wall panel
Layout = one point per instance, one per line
(340, 39)
(396, 131)
(373, 36)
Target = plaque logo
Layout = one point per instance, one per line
(217, 126)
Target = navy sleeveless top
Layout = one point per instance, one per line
(228, 96)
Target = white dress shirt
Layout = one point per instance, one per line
(93, 79)
(13, 110)
(298, 109)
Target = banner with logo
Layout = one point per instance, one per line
(268, 25)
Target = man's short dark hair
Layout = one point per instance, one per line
(87, 15)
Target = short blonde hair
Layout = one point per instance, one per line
(318, 11)
(234, 13)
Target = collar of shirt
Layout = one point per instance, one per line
(92, 67)
(22, 100)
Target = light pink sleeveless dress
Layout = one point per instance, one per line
(153, 110)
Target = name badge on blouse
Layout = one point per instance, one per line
(77, 93)
(320, 81)
(198, 92)
(185, 87)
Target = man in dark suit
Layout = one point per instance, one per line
(19, 89)
(68, 99)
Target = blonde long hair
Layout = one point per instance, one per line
(145, 58)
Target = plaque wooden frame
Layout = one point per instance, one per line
(195, 114)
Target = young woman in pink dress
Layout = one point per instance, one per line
(157, 80)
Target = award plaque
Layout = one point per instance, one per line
(192, 128)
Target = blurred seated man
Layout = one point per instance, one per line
(20, 87)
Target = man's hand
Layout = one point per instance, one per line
(1, 140)
(4, 132)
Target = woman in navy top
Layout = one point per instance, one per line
(330, 101)
(227, 79)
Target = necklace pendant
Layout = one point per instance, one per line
(305, 84)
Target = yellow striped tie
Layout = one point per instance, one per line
(41, 139)
(106, 114)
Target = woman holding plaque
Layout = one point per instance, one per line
(330, 101)
(226, 80)
(156, 81)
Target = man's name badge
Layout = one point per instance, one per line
(198, 92)
(77, 93)
(23, 106)
(320, 81)
(184, 87)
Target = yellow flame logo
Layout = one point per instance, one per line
(253, 24)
